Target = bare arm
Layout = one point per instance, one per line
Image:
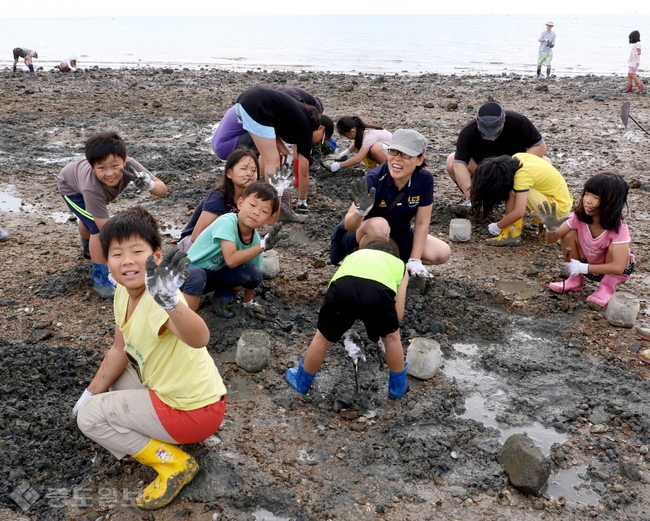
(617, 259)
(400, 297)
(234, 257)
(538, 150)
(352, 220)
(205, 220)
(187, 326)
(463, 178)
(552, 238)
(112, 366)
(518, 211)
(422, 221)
(159, 188)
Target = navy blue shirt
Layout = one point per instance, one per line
(418, 192)
(213, 203)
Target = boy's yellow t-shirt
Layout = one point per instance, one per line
(374, 265)
(183, 377)
(538, 174)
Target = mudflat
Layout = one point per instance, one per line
(516, 357)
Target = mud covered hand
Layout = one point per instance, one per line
(343, 155)
(281, 179)
(416, 268)
(573, 267)
(335, 167)
(363, 200)
(163, 283)
(548, 215)
(271, 238)
(75, 410)
(141, 180)
(494, 229)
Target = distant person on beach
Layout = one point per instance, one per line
(387, 200)
(494, 132)
(157, 386)
(242, 169)
(271, 117)
(633, 62)
(545, 53)
(89, 184)
(523, 182)
(28, 54)
(370, 286)
(370, 143)
(69, 65)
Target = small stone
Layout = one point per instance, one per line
(303, 276)
(542, 88)
(92, 515)
(395, 499)
(429, 105)
(643, 449)
(319, 264)
(156, 103)
(451, 106)
(216, 517)
(525, 465)
(347, 88)
(380, 509)
(618, 488)
(598, 429)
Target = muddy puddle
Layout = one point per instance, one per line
(9, 202)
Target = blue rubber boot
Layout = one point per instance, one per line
(219, 301)
(101, 284)
(397, 383)
(299, 379)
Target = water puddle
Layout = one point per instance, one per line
(12, 204)
(239, 389)
(264, 515)
(300, 237)
(521, 288)
(572, 484)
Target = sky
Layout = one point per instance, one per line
(67, 8)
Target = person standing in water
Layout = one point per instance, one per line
(545, 54)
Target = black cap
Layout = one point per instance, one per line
(489, 119)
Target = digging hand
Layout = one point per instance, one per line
(280, 180)
(494, 229)
(335, 167)
(75, 410)
(343, 155)
(363, 199)
(416, 268)
(164, 281)
(141, 180)
(573, 267)
(271, 238)
(548, 215)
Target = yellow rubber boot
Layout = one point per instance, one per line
(175, 469)
(541, 231)
(510, 236)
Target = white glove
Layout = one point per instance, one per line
(271, 238)
(494, 229)
(86, 394)
(343, 155)
(416, 268)
(335, 167)
(574, 267)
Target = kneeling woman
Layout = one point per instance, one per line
(386, 202)
(523, 182)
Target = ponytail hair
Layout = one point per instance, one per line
(492, 183)
(347, 123)
(612, 191)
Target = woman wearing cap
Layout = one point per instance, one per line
(545, 54)
(387, 201)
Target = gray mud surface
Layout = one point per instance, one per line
(530, 359)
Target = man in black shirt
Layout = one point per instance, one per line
(494, 132)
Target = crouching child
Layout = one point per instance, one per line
(227, 256)
(371, 286)
(157, 386)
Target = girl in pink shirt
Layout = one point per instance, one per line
(595, 239)
(633, 62)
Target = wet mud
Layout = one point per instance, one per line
(515, 356)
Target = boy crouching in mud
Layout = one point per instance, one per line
(370, 285)
(89, 184)
(157, 386)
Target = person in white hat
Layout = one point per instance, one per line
(545, 54)
(69, 65)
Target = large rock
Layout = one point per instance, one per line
(527, 468)
(253, 350)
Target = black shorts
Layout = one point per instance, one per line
(19, 53)
(351, 298)
(343, 242)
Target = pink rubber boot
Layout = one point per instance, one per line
(606, 289)
(573, 283)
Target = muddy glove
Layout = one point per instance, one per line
(252, 308)
(335, 167)
(282, 178)
(75, 410)
(494, 229)
(548, 216)
(163, 283)
(363, 200)
(141, 180)
(271, 238)
(343, 155)
(573, 267)
(416, 268)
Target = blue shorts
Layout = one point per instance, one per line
(77, 206)
(253, 126)
(202, 281)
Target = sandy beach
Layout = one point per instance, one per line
(537, 361)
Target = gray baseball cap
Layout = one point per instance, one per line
(489, 119)
(409, 141)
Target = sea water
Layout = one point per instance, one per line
(412, 44)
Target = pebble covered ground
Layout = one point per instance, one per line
(535, 358)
